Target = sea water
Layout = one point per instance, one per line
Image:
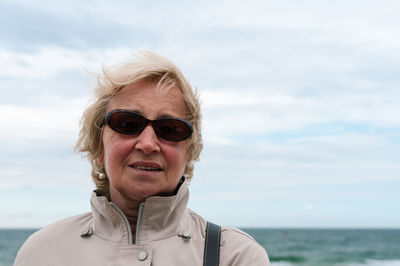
(10, 242)
(288, 247)
(323, 247)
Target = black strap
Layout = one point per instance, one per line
(212, 244)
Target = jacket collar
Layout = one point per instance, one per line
(160, 218)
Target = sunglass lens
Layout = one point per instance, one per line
(127, 123)
(172, 129)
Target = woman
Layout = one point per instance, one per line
(141, 135)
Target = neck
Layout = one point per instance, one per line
(129, 207)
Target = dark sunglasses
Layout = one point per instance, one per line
(131, 123)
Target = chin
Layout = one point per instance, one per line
(142, 191)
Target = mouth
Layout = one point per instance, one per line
(146, 166)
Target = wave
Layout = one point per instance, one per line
(370, 262)
(282, 263)
(294, 259)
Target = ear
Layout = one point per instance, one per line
(100, 160)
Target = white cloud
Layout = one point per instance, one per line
(228, 196)
(294, 94)
(233, 113)
(309, 207)
(51, 61)
(39, 122)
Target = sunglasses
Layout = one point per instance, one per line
(131, 123)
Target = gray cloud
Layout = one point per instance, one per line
(30, 28)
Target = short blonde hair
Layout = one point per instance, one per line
(146, 65)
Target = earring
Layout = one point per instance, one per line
(101, 175)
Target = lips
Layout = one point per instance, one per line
(146, 166)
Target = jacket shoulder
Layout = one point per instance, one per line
(51, 238)
(239, 248)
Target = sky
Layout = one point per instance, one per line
(300, 104)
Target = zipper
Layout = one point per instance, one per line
(126, 222)
(138, 223)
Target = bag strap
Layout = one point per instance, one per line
(212, 244)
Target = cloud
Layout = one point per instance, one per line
(309, 207)
(338, 159)
(35, 25)
(299, 100)
(234, 113)
(41, 65)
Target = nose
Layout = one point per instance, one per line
(147, 141)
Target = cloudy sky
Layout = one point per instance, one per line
(300, 102)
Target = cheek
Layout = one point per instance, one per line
(115, 150)
(177, 157)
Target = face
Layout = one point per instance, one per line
(144, 165)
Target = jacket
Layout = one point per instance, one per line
(167, 234)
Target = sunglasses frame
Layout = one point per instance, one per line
(153, 124)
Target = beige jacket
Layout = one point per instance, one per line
(167, 234)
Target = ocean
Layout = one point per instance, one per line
(323, 247)
(289, 247)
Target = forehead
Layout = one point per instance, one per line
(149, 100)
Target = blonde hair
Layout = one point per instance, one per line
(146, 65)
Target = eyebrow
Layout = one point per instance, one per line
(165, 115)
